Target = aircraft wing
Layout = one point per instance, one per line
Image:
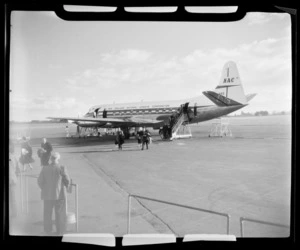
(90, 119)
(136, 121)
(128, 121)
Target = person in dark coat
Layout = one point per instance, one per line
(139, 137)
(53, 181)
(46, 152)
(119, 138)
(165, 131)
(145, 138)
(26, 154)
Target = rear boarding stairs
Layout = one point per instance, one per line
(179, 126)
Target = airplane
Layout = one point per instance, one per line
(226, 98)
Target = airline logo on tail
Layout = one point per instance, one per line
(229, 75)
(228, 80)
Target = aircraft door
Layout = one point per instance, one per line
(95, 113)
(104, 115)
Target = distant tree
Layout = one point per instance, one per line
(261, 113)
(246, 114)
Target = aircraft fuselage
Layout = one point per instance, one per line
(196, 113)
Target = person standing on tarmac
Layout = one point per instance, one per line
(46, 148)
(119, 138)
(145, 138)
(139, 137)
(53, 181)
(26, 154)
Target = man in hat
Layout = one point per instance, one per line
(119, 138)
(139, 137)
(46, 152)
(53, 181)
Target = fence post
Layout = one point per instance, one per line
(241, 225)
(128, 222)
(26, 192)
(21, 189)
(76, 204)
(228, 218)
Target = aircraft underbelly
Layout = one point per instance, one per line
(208, 113)
(202, 114)
(90, 124)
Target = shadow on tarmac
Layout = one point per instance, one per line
(105, 151)
(105, 141)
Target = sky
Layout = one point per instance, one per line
(62, 68)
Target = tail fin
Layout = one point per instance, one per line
(230, 85)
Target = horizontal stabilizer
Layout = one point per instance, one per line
(219, 99)
(250, 96)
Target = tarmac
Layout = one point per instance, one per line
(245, 175)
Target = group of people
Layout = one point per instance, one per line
(53, 181)
(143, 137)
(26, 154)
(166, 131)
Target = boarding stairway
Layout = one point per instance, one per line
(180, 123)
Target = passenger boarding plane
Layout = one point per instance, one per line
(227, 97)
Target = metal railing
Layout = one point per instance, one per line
(242, 219)
(24, 182)
(76, 205)
(173, 204)
(24, 189)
